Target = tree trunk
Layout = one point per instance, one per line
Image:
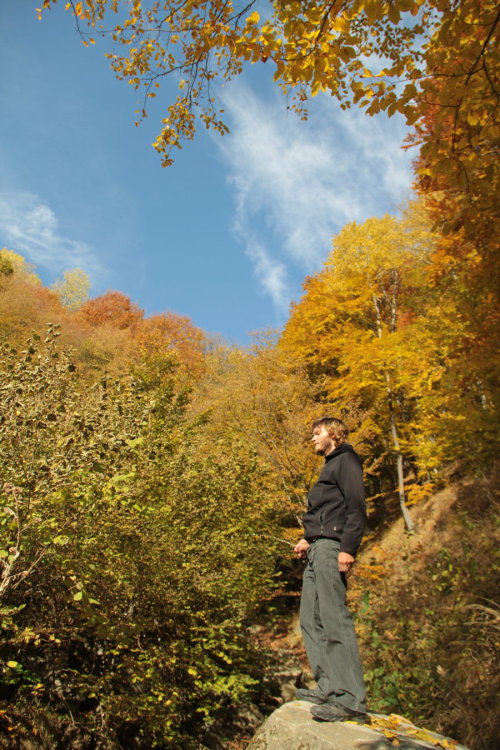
(410, 526)
(399, 465)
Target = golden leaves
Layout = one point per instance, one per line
(253, 18)
(436, 68)
(397, 728)
(368, 325)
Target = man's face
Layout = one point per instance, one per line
(323, 442)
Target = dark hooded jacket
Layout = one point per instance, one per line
(336, 506)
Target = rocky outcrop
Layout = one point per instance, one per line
(291, 727)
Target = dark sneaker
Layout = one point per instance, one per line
(303, 694)
(336, 712)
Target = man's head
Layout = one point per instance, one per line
(328, 434)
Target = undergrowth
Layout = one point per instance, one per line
(429, 621)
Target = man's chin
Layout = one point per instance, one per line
(319, 451)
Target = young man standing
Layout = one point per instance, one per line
(333, 528)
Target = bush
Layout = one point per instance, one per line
(132, 556)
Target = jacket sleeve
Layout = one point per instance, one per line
(350, 481)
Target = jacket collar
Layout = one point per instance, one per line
(344, 448)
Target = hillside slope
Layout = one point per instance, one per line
(428, 614)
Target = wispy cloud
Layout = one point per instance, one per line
(297, 183)
(270, 273)
(29, 226)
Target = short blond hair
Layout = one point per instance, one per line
(334, 426)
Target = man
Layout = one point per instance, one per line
(333, 527)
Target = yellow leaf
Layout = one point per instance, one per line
(253, 18)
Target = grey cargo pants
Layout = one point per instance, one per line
(327, 628)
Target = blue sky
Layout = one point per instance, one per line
(226, 235)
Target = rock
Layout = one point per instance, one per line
(249, 717)
(288, 692)
(288, 668)
(291, 727)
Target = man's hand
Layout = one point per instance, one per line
(346, 561)
(301, 548)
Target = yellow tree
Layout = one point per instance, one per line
(25, 304)
(73, 289)
(363, 323)
(14, 263)
(265, 399)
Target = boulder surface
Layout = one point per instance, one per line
(291, 727)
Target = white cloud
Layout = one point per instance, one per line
(29, 226)
(271, 274)
(298, 183)
(383, 165)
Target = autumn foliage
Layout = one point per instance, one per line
(378, 332)
(112, 308)
(133, 552)
(153, 479)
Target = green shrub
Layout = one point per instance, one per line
(132, 556)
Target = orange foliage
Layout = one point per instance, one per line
(108, 333)
(26, 305)
(458, 174)
(112, 308)
(168, 332)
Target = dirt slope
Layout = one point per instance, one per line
(428, 615)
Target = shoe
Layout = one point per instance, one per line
(336, 712)
(303, 694)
